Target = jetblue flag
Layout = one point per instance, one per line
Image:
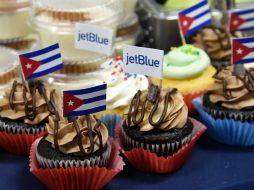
(41, 62)
(242, 20)
(243, 50)
(195, 18)
(85, 101)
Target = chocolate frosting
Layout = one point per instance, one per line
(32, 106)
(216, 42)
(232, 91)
(162, 109)
(83, 135)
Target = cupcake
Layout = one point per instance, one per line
(56, 20)
(15, 32)
(186, 67)
(76, 154)
(217, 44)
(23, 116)
(117, 81)
(227, 109)
(157, 135)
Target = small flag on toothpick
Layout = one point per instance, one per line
(194, 18)
(84, 101)
(41, 62)
(241, 20)
(243, 50)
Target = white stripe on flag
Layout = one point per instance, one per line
(247, 16)
(198, 11)
(247, 24)
(250, 44)
(91, 105)
(91, 95)
(249, 56)
(199, 21)
(46, 55)
(48, 65)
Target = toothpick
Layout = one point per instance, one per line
(160, 83)
(23, 79)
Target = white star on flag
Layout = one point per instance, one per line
(70, 103)
(239, 51)
(185, 23)
(28, 66)
(235, 22)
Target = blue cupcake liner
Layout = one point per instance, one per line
(227, 131)
(111, 121)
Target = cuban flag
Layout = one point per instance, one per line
(242, 20)
(41, 62)
(243, 50)
(85, 101)
(195, 18)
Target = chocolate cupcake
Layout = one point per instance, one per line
(74, 142)
(23, 115)
(157, 121)
(227, 109)
(217, 44)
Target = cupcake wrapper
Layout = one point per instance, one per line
(16, 129)
(19, 144)
(94, 161)
(80, 178)
(188, 98)
(161, 149)
(146, 161)
(111, 121)
(227, 131)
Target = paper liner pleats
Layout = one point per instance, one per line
(19, 144)
(74, 178)
(227, 131)
(146, 161)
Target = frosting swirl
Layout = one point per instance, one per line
(83, 135)
(216, 42)
(184, 62)
(162, 109)
(232, 91)
(32, 106)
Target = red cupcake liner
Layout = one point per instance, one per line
(19, 144)
(188, 98)
(77, 178)
(146, 161)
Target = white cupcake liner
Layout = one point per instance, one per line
(94, 161)
(15, 129)
(168, 148)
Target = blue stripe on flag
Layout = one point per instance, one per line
(193, 8)
(88, 90)
(52, 58)
(245, 40)
(95, 99)
(87, 112)
(202, 14)
(45, 72)
(251, 19)
(41, 51)
(242, 12)
(243, 61)
(245, 29)
(191, 31)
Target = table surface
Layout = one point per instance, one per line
(211, 166)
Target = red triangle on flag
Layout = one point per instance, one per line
(239, 51)
(28, 66)
(235, 22)
(70, 103)
(185, 23)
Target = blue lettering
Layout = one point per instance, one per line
(92, 37)
(142, 60)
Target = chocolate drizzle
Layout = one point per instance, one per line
(33, 87)
(247, 79)
(153, 93)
